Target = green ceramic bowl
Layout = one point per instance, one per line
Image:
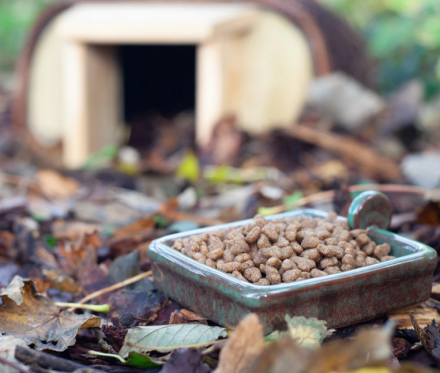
(340, 299)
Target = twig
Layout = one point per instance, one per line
(176, 347)
(90, 307)
(40, 359)
(13, 365)
(396, 188)
(117, 286)
(364, 156)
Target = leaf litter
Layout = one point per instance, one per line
(34, 318)
(76, 235)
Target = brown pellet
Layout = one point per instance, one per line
(310, 242)
(304, 264)
(382, 250)
(252, 274)
(291, 275)
(238, 275)
(288, 265)
(263, 282)
(253, 235)
(387, 257)
(317, 273)
(274, 262)
(215, 254)
(362, 239)
(272, 275)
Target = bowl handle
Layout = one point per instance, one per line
(369, 209)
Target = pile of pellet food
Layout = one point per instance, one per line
(285, 250)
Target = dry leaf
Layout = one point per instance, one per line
(36, 320)
(147, 338)
(430, 337)
(143, 225)
(55, 185)
(72, 230)
(184, 317)
(243, 346)
(307, 332)
(422, 313)
(370, 347)
(13, 290)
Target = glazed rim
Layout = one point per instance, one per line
(417, 251)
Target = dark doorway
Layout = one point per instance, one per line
(157, 79)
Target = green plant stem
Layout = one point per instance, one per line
(107, 355)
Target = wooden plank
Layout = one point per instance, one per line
(209, 90)
(75, 144)
(91, 101)
(152, 23)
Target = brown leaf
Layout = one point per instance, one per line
(184, 317)
(143, 225)
(73, 230)
(422, 313)
(55, 185)
(34, 318)
(243, 346)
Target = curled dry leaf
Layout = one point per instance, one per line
(147, 338)
(243, 346)
(37, 320)
(430, 337)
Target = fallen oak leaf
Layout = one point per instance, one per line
(244, 344)
(37, 320)
(167, 337)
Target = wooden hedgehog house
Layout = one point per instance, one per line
(89, 67)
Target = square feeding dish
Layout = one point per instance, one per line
(340, 299)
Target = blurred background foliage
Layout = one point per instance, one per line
(403, 36)
(16, 18)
